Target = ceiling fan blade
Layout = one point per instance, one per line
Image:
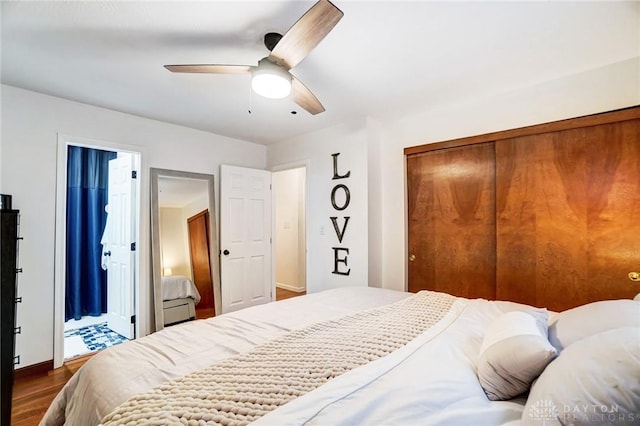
(210, 68)
(305, 34)
(303, 97)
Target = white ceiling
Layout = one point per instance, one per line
(383, 59)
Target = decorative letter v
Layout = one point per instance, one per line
(340, 233)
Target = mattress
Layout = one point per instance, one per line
(374, 357)
(179, 287)
(118, 373)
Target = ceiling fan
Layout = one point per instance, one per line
(271, 77)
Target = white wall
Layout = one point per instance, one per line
(174, 241)
(30, 125)
(316, 148)
(374, 174)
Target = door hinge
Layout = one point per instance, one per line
(133, 246)
(134, 174)
(133, 319)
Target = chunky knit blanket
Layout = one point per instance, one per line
(241, 389)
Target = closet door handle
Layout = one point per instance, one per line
(107, 253)
(226, 252)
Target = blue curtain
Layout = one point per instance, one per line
(87, 195)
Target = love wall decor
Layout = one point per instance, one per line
(340, 254)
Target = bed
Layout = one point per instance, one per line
(370, 356)
(179, 298)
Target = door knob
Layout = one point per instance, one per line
(412, 257)
(107, 253)
(226, 252)
(634, 276)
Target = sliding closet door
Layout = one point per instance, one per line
(568, 208)
(451, 207)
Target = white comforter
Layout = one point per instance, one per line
(179, 287)
(432, 380)
(117, 373)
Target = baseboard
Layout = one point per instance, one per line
(33, 370)
(290, 287)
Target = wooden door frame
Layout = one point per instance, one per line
(204, 213)
(624, 114)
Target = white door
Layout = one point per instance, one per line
(119, 238)
(245, 237)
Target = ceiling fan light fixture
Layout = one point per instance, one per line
(270, 80)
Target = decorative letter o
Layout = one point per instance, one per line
(346, 193)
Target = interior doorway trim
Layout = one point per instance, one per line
(300, 164)
(64, 141)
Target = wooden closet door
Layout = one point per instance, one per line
(200, 258)
(568, 215)
(451, 207)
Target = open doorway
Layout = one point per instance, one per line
(98, 200)
(289, 187)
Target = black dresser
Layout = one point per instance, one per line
(8, 300)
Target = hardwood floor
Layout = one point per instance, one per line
(205, 313)
(32, 395)
(282, 294)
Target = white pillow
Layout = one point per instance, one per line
(514, 352)
(575, 324)
(596, 380)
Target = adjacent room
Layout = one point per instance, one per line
(99, 209)
(320, 212)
